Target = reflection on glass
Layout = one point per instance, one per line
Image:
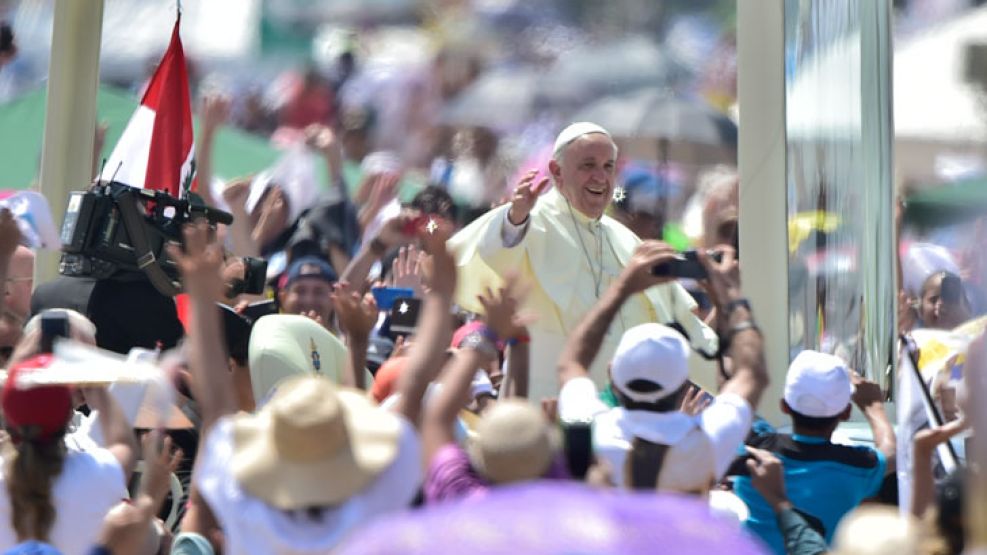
(838, 148)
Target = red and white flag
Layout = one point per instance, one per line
(156, 150)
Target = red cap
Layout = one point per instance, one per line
(35, 413)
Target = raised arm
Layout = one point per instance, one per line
(391, 235)
(199, 266)
(478, 349)
(214, 113)
(322, 139)
(584, 343)
(434, 325)
(869, 398)
(737, 328)
(357, 316)
(118, 436)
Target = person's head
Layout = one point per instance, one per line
(720, 207)
(435, 200)
(287, 345)
(20, 281)
(313, 445)
(642, 208)
(81, 329)
(307, 286)
(35, 418)
(583, 166)
(950, 513)
(650, 368)
(514, 443)
(876, 530)
(817, 393)
(943, 303)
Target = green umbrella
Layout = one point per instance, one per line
(22, 124)
(947, 204)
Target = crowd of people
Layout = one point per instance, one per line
(415, 360)
(544, 341)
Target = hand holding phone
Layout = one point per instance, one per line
(685, 265)
(53, 324)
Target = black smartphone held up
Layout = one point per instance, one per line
(685, 265)
(253, 311)
(404, 315)
(578, 443)
(53, 324)
(951, 289)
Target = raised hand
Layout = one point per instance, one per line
(215, 111)
(501, 308)
(723, 277)
(236, 192)
(160, 460)
(637, 276)
(767, 476)
(525, 196)
(201, 262)
(406, 269)
(357, 314)
(695, 401)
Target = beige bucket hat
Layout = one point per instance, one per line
(514, 442)
(314, 444)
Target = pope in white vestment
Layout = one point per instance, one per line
(569, 258)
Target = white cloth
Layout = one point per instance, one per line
(91, 483)
(254, 527)
(726, 422)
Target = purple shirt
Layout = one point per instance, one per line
(451, 476)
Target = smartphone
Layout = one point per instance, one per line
(685, 265)
(951, 289)
(385, 296)
(404, 315)
(578, 444)
(53, 324)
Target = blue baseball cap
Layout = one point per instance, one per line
(309, 267)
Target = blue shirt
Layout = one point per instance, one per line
(822, 479)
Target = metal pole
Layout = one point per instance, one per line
(70, 115)
(763, 193)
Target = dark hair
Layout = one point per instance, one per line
(31, 473)
(814, 423)
(643, 465)
(435, 200)
(668, 403)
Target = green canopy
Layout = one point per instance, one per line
(947, 204)
(22, 126)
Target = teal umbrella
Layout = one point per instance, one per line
(22, 126)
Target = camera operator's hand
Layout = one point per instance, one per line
(200, 263)
(723, 278)
(637, 276)
(10, 235)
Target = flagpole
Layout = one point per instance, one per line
(70, 114)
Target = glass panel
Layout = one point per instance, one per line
(838, 181)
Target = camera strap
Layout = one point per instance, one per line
(146, 260)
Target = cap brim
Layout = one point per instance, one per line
(374, 435)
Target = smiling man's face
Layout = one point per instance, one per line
(586, 173)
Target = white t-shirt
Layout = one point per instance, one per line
(91, 483)
(726, 422)
(251, 526)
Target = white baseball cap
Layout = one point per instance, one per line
(818, 385)
(574, 131)
(654, 353)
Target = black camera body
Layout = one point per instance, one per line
(114, 231)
